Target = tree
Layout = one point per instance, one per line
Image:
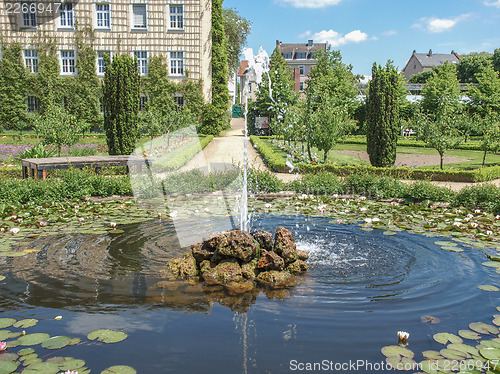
(421, 78)
(331, 83)
(485, 97)
(57, 127)
(489, 127)
(471, 64)
(295, 123)
(215, 117)
(382, 110)
(442, 91)
(496, 59)
(275, 91)
(237, 29)
(121, 104)
(12, 87)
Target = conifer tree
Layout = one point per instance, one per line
(121, 104)
(382, 110)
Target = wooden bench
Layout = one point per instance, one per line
(37, 167)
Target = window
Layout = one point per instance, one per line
(66, 15)
(100, 61)
(177, 63)
(301, 86)
(139, 19)
(31, 103)
(142, 103)
(287, 55)
(177, 17)
(28, 10)
(300, 55)
(31, 60)
(302, 70)
(102, 16)
(142, 61)
(68, 62)
(179, 100)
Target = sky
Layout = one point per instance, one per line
(368, 31)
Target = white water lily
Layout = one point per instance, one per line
(474, 225)
(368, 220)
(112, 224)
(15, 230)
(403, 336)
(375, 219)
(362, 198)
(489, 232)
(268, 206)
(457, 224)
(363, 209)
(477, 211)
(173, 214)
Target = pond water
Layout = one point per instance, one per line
(361, 288)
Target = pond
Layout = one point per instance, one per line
(361, 288)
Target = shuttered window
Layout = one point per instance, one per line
(139, 16)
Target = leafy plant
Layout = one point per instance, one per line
(38, 151)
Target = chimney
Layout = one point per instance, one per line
(278, 43)
(310, 43)
(430, 52)
(414, 51)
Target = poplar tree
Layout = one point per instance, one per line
(382, 114)
(121, 104)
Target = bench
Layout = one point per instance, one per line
(37, 167)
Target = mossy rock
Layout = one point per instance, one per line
(225, 272)
(276, 279)
(297, 267)
(284, 245)
(238, 244)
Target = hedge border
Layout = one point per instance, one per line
(278, 164)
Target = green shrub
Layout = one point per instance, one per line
(37, 151)
(484, 196)
(263, 181)
(323, 183)
(423, 190)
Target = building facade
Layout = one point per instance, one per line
(300, 57)
(179, 30)
(247, 83)
(420, 62)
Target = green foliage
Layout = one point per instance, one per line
(472, 64)
(12, 87)
(57, 127)
(121, 102)
(382, 107)
(237, 29)
(483, 196)
(275, 92)
(489, 127)
(421, 78)
(442, 91)
(37, 151)
(423, 190)
(485, 97)
(182, 155)
(263, 181)
(215, 116)
(496, 59)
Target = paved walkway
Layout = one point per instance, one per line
(222, 152)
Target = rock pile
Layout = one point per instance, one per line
(239, 261)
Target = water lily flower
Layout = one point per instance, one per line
(207, 210)
(335, 195)
(268, 206)
(13, 217)
(368, 220)
(403, 336)
(81, 219)
(173, 214)
(339, 221)
(322, 208)
(489, 232)
(112, 224)
(15, 230)
(375, 219)
(497, 216)
(70, 372)
(394, 203)
(20, 220)
(362, 198)
(477, 211)
(3, 346)
(474, 225)
(219, 198)
(159, 215)
(2, 229)
(43, 224)
(77, 207)
(197, 211)
(457, 224)
(87, 198)
(58, 317)
(363, 209)
(433, 207)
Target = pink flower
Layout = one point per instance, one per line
(43, 224)
(87, 198)
(70, 372)
(394, 203)
(13, 217)
(3, 346)
(77, 207)
(339, 221)
(81, 219)
(433, 207)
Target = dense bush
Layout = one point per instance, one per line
(483, 196)
(263, 181)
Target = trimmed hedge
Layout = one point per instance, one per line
(277, 162)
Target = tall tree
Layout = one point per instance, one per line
(215, 117)
(121, 104)
(496, 59)
(48, 82)
(442, 91)
(237, 29)
(12, 87)
(471, 64)
(383, 109)
(485, 96)
(275, 91)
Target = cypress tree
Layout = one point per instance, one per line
(121, 104)
(382, 111)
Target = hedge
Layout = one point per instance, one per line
(181, 156)
(277, 163)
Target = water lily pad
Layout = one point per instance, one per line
(13, 254)
(25, 323)
(56, 342)
(452, 354)
(432, 355)
(389, 233)
(467, 334)
(33, 339)
(42, 368)
(446, 243)
(75, 341)
(396, 350)
(444, 338)
(483, 328)
(431, 319)
(119, 369)
(492, 264)
(2, 277)
(7, 367)
(452, 249)
(490, 353)
(67, 363)
(28, 357)
(464, 348)
(430, 367)
(7, 334)
(6, 322)
(25, 351)
(107, 336)
(8, 356)
(488, 287)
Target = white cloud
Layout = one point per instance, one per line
(437, 25)
(495, 3)
(309, 3)
(335, 38)
(389, 33)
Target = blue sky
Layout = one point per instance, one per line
(368, 31)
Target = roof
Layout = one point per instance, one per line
(242, 71)
(429, 60)
(308, 47)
